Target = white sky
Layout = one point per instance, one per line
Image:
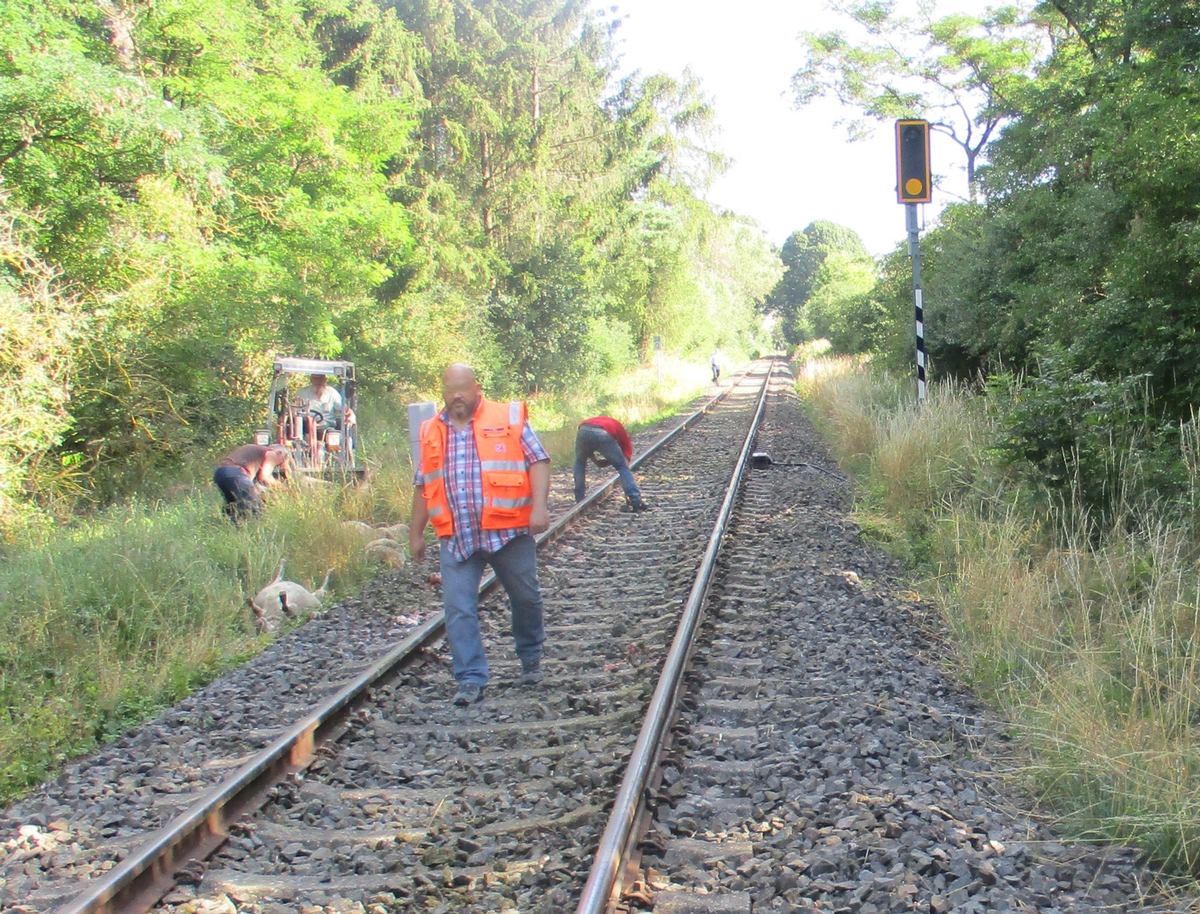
(791, 166)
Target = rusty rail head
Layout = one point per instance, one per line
(141, 878)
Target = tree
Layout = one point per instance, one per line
(1104, 184)
(839, 308)
(967, 79)
(41, 326)
(803, 255)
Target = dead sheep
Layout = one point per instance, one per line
(280, 599)
(388, 552)
(395, 532)
(363, 530)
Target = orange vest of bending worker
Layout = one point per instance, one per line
(507, 491)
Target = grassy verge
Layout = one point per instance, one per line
(1089, 642)
(110, 618)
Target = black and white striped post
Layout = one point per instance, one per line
(914, 251)
(913, 186)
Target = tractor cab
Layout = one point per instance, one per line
(313, 412)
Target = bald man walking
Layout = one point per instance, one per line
(483, 481)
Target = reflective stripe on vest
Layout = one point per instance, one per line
(511, 466)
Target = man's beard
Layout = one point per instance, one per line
(462, 410)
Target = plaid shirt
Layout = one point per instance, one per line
(464, 490)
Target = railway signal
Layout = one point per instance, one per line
(914, 185)
(913, 179)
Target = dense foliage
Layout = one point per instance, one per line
(188, 189)
(1071, 280)
(825, 268)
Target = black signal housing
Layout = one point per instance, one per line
(914, 182)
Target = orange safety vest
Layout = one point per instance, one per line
(507, 491)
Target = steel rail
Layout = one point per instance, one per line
(602, 884)
(142, 877)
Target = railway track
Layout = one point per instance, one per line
(613, 583)
(820, 761)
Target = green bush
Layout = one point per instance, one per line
(1092, 442)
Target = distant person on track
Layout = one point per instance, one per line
(714, 362)
(604, 441)
(245, 473)
(483, 480)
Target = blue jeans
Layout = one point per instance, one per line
(241, 493)
(591, 439)
(516, 568)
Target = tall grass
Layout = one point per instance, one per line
(1089, 640)
(120, 614)
(110, 617)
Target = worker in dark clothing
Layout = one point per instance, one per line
(605, 442)
(245, 472)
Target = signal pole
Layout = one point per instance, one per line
(914, 251)
(913, 186)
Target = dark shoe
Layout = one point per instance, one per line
(639, 506)
(468, 693)
(531, 673)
